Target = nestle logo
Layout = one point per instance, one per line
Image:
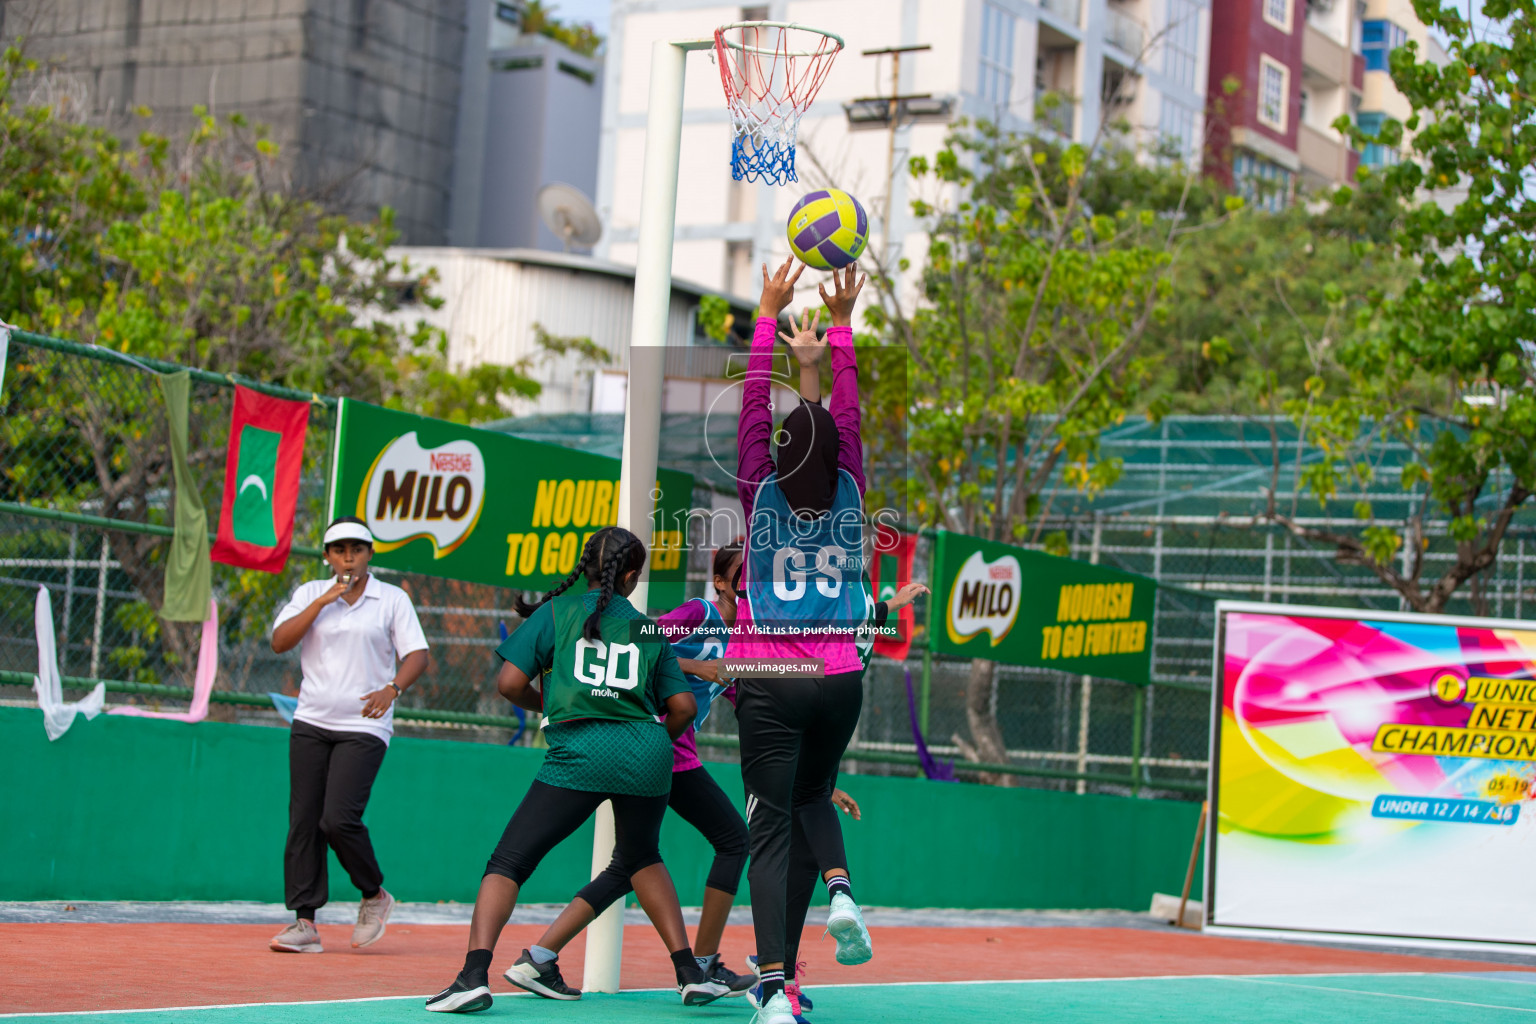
(452, 462)
(1000, 572)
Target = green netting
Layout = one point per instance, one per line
(77, 424)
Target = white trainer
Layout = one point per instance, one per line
(300, 937)
(371, 918)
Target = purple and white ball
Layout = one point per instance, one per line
(828, 229)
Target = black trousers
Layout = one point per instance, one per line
(793, 735)
(549, 814)
(815, 845)
(699, 801)
(330, 775)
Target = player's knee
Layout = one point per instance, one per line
(732, 841)
(335, 823)
(510, 864)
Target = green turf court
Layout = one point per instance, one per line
(1489, 997)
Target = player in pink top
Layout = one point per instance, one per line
(802, 579)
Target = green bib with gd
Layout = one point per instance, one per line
(609, 678)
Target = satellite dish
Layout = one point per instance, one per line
(569, 214)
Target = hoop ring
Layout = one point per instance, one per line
(785, 25)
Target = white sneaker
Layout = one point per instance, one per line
(846, 923)
(371, 918)
(300, 937)
(775, 1011)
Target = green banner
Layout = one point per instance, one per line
(484, 507)
(1029, 608)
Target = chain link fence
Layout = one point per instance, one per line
(85, 511)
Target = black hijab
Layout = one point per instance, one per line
(807, 459)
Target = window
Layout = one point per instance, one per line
(1274, 84)
(1375, 154)
(1304, 105)
(1261, 182)
(1181, 42)
(1355, 36)
(1278, 13)
(1176, 125)
(995, 69)
(359, 24)
(1377, 40)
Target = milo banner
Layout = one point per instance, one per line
(484, 507)
(1028, 608)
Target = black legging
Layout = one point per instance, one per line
(549, 814)
(698, 799)
(793, 735)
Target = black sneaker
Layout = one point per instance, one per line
(540, 979)
(715, 970)
(461, 997)
(701, 993)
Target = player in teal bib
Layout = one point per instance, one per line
(609, 677)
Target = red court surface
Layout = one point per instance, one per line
(126, 966)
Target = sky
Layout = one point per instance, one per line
(595, 11)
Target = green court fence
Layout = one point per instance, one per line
(84, 511)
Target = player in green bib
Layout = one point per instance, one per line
(609, 677)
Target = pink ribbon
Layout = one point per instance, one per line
(207, 669)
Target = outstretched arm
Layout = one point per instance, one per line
(845, 370)
(754, 454)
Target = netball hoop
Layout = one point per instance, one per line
(771, 71)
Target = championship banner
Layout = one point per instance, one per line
(261, 481)
(1022, 607)
(485, 507)
(890, 571)
(1368, 771)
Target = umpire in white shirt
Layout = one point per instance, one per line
(350, 630)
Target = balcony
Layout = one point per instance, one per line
(1324, 157)
(1125, 33)
(1326, 59)
(1070, 11)
(1054, 112)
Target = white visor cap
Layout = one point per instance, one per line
(347, 531)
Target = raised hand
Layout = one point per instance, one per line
(905, 596)
(808, 348)
(844, 294)
(779, 289)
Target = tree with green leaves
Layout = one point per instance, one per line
(1030, 337)
(190, 252)
(1445, 368)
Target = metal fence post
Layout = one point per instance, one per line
(69, 598)
(1085, 709)
(101, 608)
(1138, 710)
(925, 694)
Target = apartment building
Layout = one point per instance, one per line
(1140, 62)
(440, 109)
(1283, 71)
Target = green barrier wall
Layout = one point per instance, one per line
(137, 809)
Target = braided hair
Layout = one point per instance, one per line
(610, 554)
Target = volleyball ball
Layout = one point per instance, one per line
(828, 229)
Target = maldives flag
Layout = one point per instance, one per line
(261, 481)
(892, 570)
